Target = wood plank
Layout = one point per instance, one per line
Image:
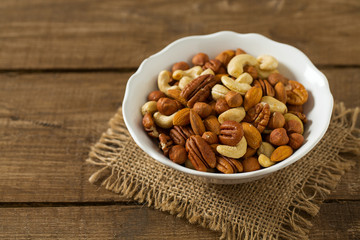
(48, 121)
(96, 222)
(336, 220)
(120, 34)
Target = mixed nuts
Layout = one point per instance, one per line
(234, 113)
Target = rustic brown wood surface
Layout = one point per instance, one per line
(63, 70)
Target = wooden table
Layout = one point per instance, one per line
(63, 69)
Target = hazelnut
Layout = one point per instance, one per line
(210, 137)
(296, 140)
(239, 51)
(225, 56)
(277, 120)
(180, 66)
(252, 71)
(221, 106)
(250, 164)
(166, 106)
(274, 78)
(155, 95)
(200, 59)
(293, 126)
(203, 109)
(178, 154)
(213, 64)
(279, 137)
(233, 99)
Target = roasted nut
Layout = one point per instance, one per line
(225, 57)
(279, 137)
(155, 95)
(200, 59)
(179, 134)
(275, 105)
(274, 78)
(266, 87)
(210, 138)
(221, 106)
(281, 153)
(178, 154)
(295, 108)
(203, 109)
(237, 63)
(265, 161)
(296, 93)
(208, 71)
(300, 115)
(300, 126)
(192, 73)
(212, 105)
(196, 123)
(258, 116)
(249, 152)
(252, 97)
(252, 135)
(231, 133)
(233, 151)
(212, 124)
(293, 126)
(266, 149)
(252, 71)
(280, 92)
(165, 143)
(180, 66)
(231, 84)
(149, 107)
(219, 91)
(250, 164)
(239, 51)
(175, 94)
(244, 78)
(149, 125)
(163, 120)
(164, 78)
(228, 165)
(166, 106)
(188, 164)
(200, 153)
(198, 90)
(233, 114)
(213, 64)
(296, 140)
(182, 117)
(267, 62)
(277, 120)
(233, 99)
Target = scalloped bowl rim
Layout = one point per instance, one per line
(237, 176)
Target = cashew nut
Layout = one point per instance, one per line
(244, 78)
(149, 107)
(263, 73)
(193, 72)
(267, 62)
(219, 91)
(237, 63)
(163, 120)
(233, 151)
(233, 114)
(185, 80)
(265, 149)
(290, 116)
(208, 71)
(275, 105)
(163, 81)
(265, 161)
(230, 83)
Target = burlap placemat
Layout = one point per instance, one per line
(278, 206)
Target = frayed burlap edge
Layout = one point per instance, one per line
(305, 204)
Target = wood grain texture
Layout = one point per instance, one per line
(68, 34)
(48, 121)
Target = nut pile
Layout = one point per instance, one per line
(235, 113)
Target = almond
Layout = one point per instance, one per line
(252, 97)
(182, 117)
(196, 123)
(252, 135)
(281, 153)
(175, 94)
(212, 124)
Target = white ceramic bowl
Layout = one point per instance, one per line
(292, 63)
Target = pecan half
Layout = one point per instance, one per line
(258, 116)
(213, 64)
(200, 153)
(180, 134)
(231, 133)
(165, 143)
(198, 90)
(228, 165)
(296, 93)
(268, 90)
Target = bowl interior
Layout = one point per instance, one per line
(292, 64)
